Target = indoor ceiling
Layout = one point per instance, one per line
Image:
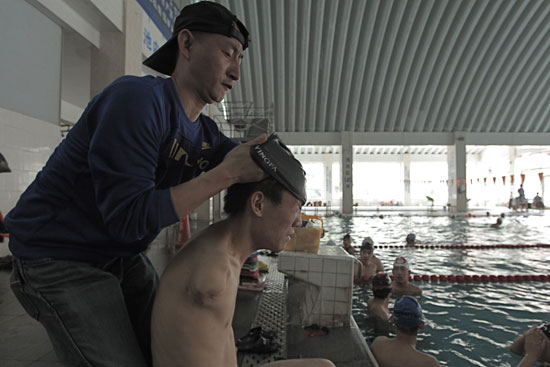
(392, 150)
(397, 66)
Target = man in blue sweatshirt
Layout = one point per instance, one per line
(131, 166)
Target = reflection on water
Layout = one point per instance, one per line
(466, 324)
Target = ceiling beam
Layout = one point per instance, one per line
(382, 138)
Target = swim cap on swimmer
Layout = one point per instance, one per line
(401, 261)
(411, 237)
(202, 16)
(367, 244)
(407, 312)
(277, 160)
(381, 281)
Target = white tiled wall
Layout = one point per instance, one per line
(328, 297)
(26, 143)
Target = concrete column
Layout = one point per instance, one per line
(517, 177)
(406, 159)
(119, 52)
(327, 164)
(203, 212)
(456, 159)
(347, 172)
(217, 206)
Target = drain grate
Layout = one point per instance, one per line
(271, 314)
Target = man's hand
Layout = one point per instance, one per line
(240, 164)
(237, 166)
(535, 342)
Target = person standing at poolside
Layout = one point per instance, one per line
(401, 350)
(401, 285)
(194, 307)
(140, 158)
(369, 264)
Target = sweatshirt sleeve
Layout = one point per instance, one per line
(125, 140)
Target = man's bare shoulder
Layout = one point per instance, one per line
(381, 341)
(414, 290)
(427, 360)
(202, 271)
(379, 345)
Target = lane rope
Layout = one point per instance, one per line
(478, 278)
(473, 247)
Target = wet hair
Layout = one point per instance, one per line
(238, 194)
(381, 292)
(367, 247)
(407, 330)
(347, 236)
(381, 285)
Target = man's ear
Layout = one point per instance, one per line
(257, 202)
(185, 40)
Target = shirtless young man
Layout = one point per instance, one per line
(370, 264)
(401, 350)
(401, 285)
(193, 310)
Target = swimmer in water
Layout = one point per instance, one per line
(369, 265)
(377, 305)
(497, 224)
(401, 285)
(401, 350)
(410, 240)
(347, 244)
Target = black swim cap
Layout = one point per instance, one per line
(277, 160)
(380, 281)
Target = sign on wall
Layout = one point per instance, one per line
(158, 20)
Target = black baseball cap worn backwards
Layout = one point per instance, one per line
(204, 16)
(277, 160)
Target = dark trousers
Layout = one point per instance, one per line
(95, 315)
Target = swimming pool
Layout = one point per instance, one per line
(469, 324)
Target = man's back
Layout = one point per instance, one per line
(394, 353)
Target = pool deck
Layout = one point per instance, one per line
(24, 342)
(344, 346)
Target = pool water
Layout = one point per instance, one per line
(468, 324)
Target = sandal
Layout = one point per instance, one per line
(259, 345)
(253, 334)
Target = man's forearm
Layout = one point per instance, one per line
(517, 345)
(189, 195)
(528, 361)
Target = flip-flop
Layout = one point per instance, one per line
(316, 330)
(253, 334)
(259, 345)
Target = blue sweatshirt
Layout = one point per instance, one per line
(104, 191)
